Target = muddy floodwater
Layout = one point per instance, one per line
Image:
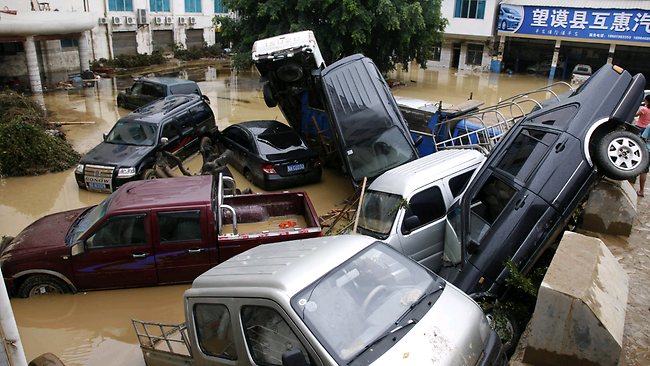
(94, 328)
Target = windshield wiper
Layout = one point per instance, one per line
(382, 337)
(417, 302)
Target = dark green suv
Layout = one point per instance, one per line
(146, 90)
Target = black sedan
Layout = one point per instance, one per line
(270, 154)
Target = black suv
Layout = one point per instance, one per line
(146, 90)
(177, 124)
(524, 195)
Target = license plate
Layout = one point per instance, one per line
(295, 167)
(98, 184)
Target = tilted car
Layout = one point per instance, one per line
(270, 154)
(526, 192)
(175, 124)
(146, 90)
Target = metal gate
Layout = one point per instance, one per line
(194, 37)
(163, 40)
(124, 43)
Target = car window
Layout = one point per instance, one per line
(525, 153)
(185, 89)
(238, 136)
(378, 211)
(458, 183)
(186, 123)
(154, 90)
(119, 231)
(272, 143)
(558, 117)
(132, 133)
(179, 226)
(201, 112)
(169, 130)
(136, 89)
(427, 206)
(268, 335)
(214, 330)
(487, 205)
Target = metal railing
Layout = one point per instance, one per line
(171, 338)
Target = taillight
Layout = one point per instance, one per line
(268, 169)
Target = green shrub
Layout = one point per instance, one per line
(15, 106)
(128, 61)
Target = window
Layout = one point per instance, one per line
(10, 48)
(470, 9)
(120, 5)
(185, 89)
(200, 112)
(179, 226)
(218, 7)
(157, 6)
(169, 130)
(458, 183)
(192, 6)
(120, 231)
(214, 330)
(154, 90)
(427, 206)
(268, 335)
(487, 205)
(474, 54)
(436, 52)
(526, 152)
(69, 42)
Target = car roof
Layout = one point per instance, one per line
(156, 111)
(261, 126)
(167, 80)
(168, 192)
(285, 267)
(408, 177)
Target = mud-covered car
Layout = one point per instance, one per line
(526, 192)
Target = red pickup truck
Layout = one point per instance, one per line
(149, 233)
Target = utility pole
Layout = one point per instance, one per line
(11, 348)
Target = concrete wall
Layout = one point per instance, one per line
(471, 27)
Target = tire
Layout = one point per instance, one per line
(248, 175)
(621, 155)
(38, 285)
(268, 96)
(149, 174)
(505, 324)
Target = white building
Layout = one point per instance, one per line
(60, 37)
(469, 37)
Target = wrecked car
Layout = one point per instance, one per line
(526, 192)
(339, 300)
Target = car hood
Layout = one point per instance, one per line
(447, 335)
(118, 155)
(43, 235)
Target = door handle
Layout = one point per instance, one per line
(194, 251)
(140, 255)
(521, 202)
(560, 146)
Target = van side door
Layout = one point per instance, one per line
(182, 244)
(118, 254)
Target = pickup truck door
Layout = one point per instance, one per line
(182, 244)
(118, 254)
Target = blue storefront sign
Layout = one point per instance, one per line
(623, 25)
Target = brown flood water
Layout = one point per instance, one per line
(94, 328)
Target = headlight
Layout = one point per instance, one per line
(126, 172)
(79, 169)
(484, 329)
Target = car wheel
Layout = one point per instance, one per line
(149, 174)
(120, 102)
(268, 96)
(621, 155)
(38, 285)
(248, 175)
(504, 324)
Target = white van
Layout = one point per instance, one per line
(405, 207)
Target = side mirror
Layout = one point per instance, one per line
(293, 357)
(77, 248)
(410, 223)
(164, 140)
(472, 246)
(418, 141)
(205, 98)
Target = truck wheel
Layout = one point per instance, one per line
(621, 155)
(504, 324)
(149, 174)
(268, 96)
(38, 285)
(248, 175)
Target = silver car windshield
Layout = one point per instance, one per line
(378, 212)
(354, 304)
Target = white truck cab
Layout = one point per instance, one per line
(405, 207)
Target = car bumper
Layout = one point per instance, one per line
(107, 187)
(272, 182)
(493, 353)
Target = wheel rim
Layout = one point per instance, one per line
(624, 153)
(44, 289)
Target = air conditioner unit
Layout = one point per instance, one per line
(117, 20)
(103, 20)
(130, 20)
(192, 20)
(141, 16)
(169, 20)
(158, 20)
(182, 20)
